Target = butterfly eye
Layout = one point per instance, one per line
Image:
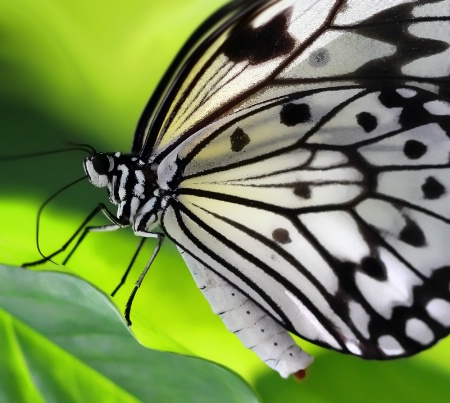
(101, 163)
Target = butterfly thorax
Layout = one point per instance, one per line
(131, 186)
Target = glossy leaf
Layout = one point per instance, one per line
(64, 341)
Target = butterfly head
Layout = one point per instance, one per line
(122, 174)
(131, 186)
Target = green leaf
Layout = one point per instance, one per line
(63, 340)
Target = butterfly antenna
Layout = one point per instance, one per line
(77, 147)
(41, 208)
(82, 146)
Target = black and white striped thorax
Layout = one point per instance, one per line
(131, 186)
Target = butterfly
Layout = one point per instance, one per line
(297, 153)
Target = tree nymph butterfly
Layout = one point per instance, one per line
(297, 153)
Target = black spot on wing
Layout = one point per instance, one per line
(293, 114)
(440, 280)
(319, 58)
(302, 190)
(374, 268)
(414, 149)
(239, 140)
(412, 234)
(261, 44)
(414, 114)
(433, 189)
(390, 98)
(367, 121)
(281, 235)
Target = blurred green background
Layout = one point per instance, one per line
(82, 71)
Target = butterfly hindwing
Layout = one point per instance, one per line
(316, 228)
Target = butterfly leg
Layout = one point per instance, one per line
(257, 330)
(116, 224)
(160, 238)
(127, 271)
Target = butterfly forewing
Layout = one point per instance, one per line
(205, 36)
(271, 49)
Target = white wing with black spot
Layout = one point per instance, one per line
(268, 48)
(302, 152)
(331, 211)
